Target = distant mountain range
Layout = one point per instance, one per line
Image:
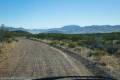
(73, 29)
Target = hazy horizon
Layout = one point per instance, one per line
(45, 14)
(54, 27)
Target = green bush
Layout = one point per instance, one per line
(54, 43)
(62, 43)
(97, 53)
(72, 45)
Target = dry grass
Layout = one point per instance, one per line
(5, 49)
(111, 62)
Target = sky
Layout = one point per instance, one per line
(43, 14)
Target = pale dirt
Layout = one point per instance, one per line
(31, 59)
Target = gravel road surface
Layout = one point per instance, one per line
(31, 59)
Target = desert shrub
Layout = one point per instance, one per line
(14, 39)
(111, 49)
(5, 35)
(54, 43)
(118, 53)
(9, 40)
(81, 43)
(77, 49)
(98, 53)
(62, 43)
(72, 45)
(0, 47)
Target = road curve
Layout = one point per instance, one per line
(31, 59)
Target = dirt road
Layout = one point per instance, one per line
(31, 59)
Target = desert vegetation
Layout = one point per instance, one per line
(7, 41)
(105, 42)
(6, 45)
(102, 48)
